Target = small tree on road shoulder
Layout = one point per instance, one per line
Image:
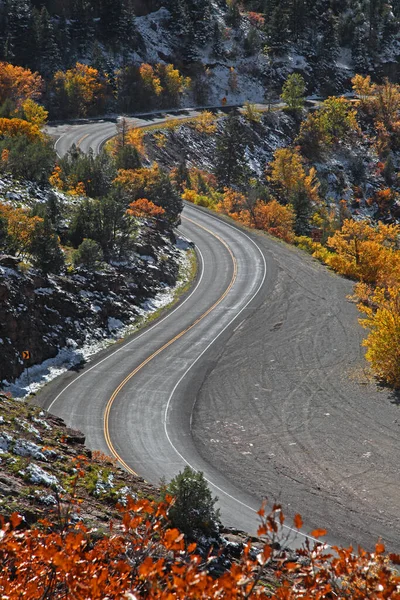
(193, 511)
(293, 91)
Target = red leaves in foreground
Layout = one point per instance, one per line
(147, 559)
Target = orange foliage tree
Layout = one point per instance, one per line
(21, 228)
(145, 208)
(13, 127)
(79, 90)
(18, 84)
(364, 252)
(137, 181)
(276, 219)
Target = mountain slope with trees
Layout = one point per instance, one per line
(232, 49)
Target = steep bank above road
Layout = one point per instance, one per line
(72, 316)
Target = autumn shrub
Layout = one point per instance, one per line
(154, 185)
(142, 208)
(327, 127)
(383, 341)
(144, 558)
(78, 92)
(275, 219)
(206, 122)
(363, 251)
(18, 84)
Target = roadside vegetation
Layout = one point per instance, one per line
(145, 556)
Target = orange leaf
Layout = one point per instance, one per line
(317, 533)
(15, 519)
(298, 521)
(380, 548)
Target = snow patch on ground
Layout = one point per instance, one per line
(39, 476)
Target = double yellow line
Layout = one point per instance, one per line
(123, 383)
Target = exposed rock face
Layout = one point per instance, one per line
(44, 314)
(38, 455)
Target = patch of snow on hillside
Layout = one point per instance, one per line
(155, 36)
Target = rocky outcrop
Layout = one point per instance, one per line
(38, 460)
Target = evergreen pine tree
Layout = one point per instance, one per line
(63, 39)
(20, 35)
(182, 176)
(48, 58)
(278, 31)
(230, 160)
(82, 28)
(45, 249)
(193, 511)
(327, 54)
(359, 52)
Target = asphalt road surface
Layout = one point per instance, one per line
(269, 394)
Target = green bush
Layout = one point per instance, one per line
(88, 255)
(27, 159)
(193, 511)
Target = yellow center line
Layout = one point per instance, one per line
(79, 142)
(123, 383)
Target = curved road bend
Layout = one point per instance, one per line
(149, 423)
(92, 134)
(284, 408)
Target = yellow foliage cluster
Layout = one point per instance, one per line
(163, 79)
(150, 79)
(135, 181)
(68, 184)
(34, 113)
(200, 188)
(77, 189)
(13, 127)
(206, 122)
(383, 342)
(367, 253)
(55, 178)
(334, 122)
(135, 137)
(288, 176)
(370, 254)
(382, 103)
(82, 85)
(21, 227)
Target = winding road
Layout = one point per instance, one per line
(256, 378)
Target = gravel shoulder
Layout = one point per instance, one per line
(305, 423)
